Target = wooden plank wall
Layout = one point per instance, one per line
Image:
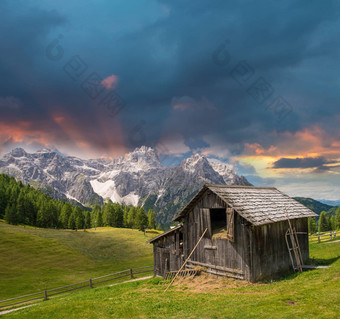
(269, 253)
(167, 254)
(218, 252)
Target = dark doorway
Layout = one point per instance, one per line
(218, 219)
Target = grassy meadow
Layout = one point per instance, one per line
(311, 294)
(33, 260)
(37, 259)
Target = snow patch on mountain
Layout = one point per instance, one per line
(108, 190)
(136, 178)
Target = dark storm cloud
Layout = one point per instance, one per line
(177, 52)
(307, 162)
(165, 52)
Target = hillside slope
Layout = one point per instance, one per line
(311, 294)
(316, 206)
(36, 259)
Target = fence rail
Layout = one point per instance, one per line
(43, 295)
(323, 237)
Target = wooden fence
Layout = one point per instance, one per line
(318, 238)
(44, 295)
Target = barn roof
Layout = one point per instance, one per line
(258, 205)
(164, 234)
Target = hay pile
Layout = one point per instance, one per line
(205, 283)
(220, 233)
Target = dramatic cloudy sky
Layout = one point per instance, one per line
(253, 83)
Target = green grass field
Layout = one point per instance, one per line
(312, 294)
(36, 259)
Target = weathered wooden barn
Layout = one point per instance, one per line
(247, 233)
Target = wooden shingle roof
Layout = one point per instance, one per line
(258, 205)
(164, 234)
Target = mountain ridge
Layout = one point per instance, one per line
(138, 178)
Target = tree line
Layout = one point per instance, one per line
(326, 222)
(23, 204)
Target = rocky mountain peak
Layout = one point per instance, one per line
(18, 152)
(137, 178)
(226, 170)
(193, 161)
(140, 159)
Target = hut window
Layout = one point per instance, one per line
(222, 223)
(218, 220)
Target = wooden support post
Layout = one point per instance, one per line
(45, 295)
(186, 260)
(131, 273)
(91, 283)
(166, 266)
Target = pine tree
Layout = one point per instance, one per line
(52, 214)
(31, 213)
(332, 222)
(13, 193)
(108, 214)
(97, 220)
(42, 216)
(79, 222)
(11, 216)
(100, 222)
(79, 218)
(159, 227)
(3, 199)
(312, 227)
(21, 211)
(323, 223)
(72, 221)
(131, 217)
(88, 219)
(65, 214)
(141, 219)
(118, 215)
(337, 219)
(125, 216)
(151, 219)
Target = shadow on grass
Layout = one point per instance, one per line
(322, 261)
(290, 274)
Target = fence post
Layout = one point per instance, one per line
(45, 295)
(319, 239)
(131, 274)
(91, 284)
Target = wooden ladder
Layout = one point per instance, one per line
(295, 247)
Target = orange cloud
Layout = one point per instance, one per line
(309, 142)
(23, 131)
(84, 142)
(58, 119)
(110, 82)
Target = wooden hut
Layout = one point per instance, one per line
(248, 233)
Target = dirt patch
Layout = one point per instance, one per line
(14, 309)
(205, 283)
(291, 302)
(331, 242)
